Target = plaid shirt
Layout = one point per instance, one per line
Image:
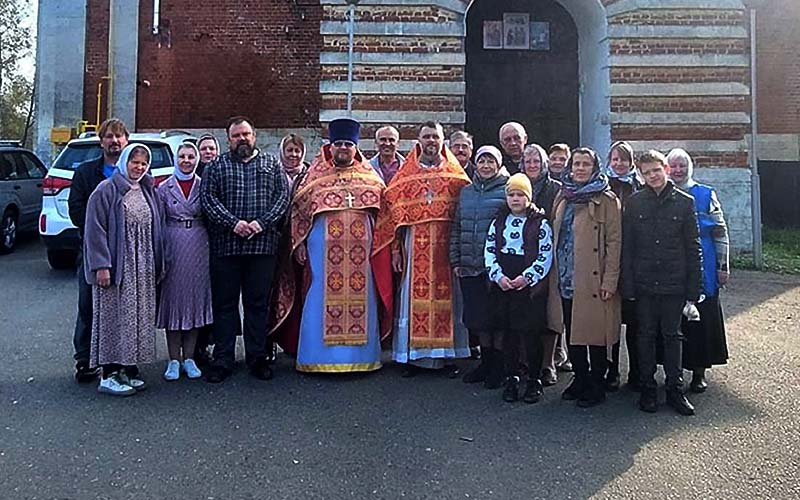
(232, 191)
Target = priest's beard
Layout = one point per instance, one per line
(342, 161)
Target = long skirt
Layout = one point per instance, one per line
(705, 343)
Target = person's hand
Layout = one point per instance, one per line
(606, 295)
(722, 277)
(104, 278)
(242, 229)
(397, 262)
(301, 255)
(256, 227)
(457, 272)
(505, 284)
(518, 283)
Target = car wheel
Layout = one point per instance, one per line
(8, 232)
(61, 259)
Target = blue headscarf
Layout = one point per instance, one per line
(177, 170)
(122, 163)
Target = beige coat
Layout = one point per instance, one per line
(598, 245)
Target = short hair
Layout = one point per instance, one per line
(586, 151)
(431, 124)
(115, 125)
(682, 155)
(461, 134)
(387, 127)
(516, 125)
(236, 120)
(559, 146)
(653, 156)
(295, 139)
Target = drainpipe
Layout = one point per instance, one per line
(755, 179)
(156, 16)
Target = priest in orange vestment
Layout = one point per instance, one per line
(420, 204)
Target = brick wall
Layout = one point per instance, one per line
(96, 65)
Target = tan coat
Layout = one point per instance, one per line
(598, 245)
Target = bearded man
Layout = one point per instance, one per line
(335, 313)
(415, 223)
(245, 195)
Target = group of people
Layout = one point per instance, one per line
(539, 259)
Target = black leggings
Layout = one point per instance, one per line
(584, 358)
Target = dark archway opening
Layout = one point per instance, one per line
(537, 86)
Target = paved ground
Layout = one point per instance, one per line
(381, 436)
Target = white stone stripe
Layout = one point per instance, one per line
(678, 89)
(685, 60)
(623, 6)
(416, 117)
(394, 88)
(694, 145)
(684, 32)
(451, 5)
(680, 118)
(394, 28)
(396, 58)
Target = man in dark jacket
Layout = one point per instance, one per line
(661, 271)
(113, 138)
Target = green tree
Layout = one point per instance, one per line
(16, 91)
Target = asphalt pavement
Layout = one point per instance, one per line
(380, 435)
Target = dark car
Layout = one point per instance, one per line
(21, 177)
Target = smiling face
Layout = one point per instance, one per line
(137, 164)
(678, 170)
(208, 150)
(655, 174)
(582, 168)
(487, 166)
(386, 140)
(292, 155)
(533, 165)
(187, 159)
(620, 162)
(462, 149)
(558, 160)
(431, 140)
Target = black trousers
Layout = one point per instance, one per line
(631, 322)
(251, 277)
(82, 338)
(660, 313)
(585, 360)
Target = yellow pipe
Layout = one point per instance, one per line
(100, 98)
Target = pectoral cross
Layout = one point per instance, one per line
(429, 196)
(350, 198)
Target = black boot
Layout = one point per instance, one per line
(648, 401)
(633, 381)
(593, 395)
(511, 391)
(677, 400)
(698, 383)
(479, 374)
(494, 375)
(533, 391)
(574, 390)
(84, 374)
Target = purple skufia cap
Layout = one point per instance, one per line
(344, 129)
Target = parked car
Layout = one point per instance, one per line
(60, 236)
(21, 178)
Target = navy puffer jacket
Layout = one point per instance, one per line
(477, 206)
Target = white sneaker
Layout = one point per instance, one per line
(136, 382)
(191, 369)
(114, 386)
(173, 370)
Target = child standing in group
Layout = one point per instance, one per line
(518, 255)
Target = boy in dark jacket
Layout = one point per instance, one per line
(478, 203)
(661, 271)
(518, 255)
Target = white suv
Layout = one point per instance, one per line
(60, 237)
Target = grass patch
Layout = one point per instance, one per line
(781, 252)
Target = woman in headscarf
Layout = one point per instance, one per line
(293, 154)
(705, 343)
(208, 147)
(583, 296)
(185, 298)
(624, 179)
(123, 261)
(536, 165)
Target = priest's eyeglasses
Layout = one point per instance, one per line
(344, 144)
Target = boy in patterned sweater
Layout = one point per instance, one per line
(518, 255)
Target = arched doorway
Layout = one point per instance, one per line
(530, 78)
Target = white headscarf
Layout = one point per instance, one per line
(177, 172)
(122, 163)
(681, 155)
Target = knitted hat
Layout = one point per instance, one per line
(490, 150)
(520, 182)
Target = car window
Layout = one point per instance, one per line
(35, 171)
(19, 167)
(162, 157)
(6, 168)
(74, 155)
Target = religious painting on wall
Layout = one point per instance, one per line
(540, 35)
(516, 31)
(493, 35)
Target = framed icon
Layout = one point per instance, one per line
(493, 35)
(516, 31)
(540, 35)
